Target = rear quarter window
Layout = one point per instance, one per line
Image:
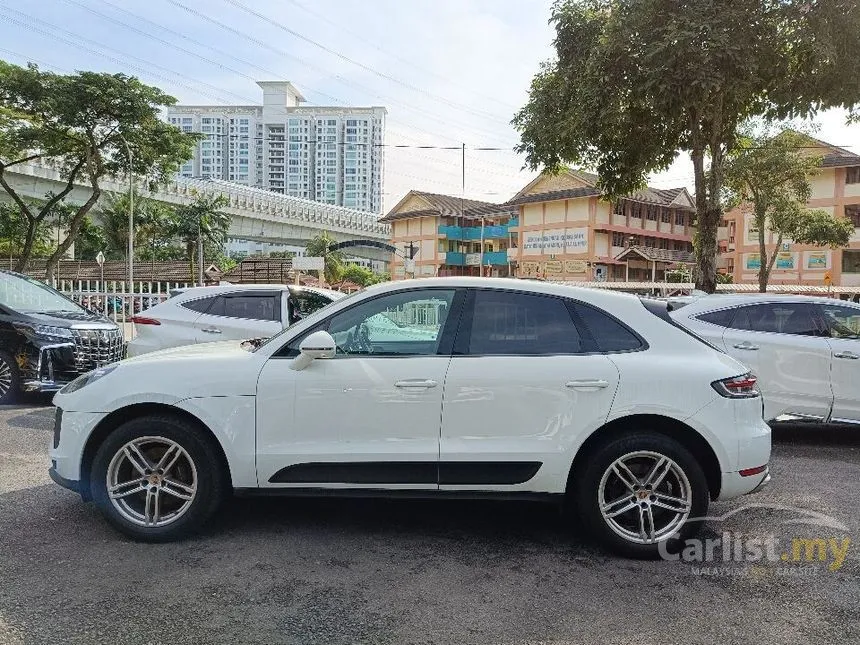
(608, 333)
(722, 318)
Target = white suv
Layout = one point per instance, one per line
(803, 350)
(489, 387)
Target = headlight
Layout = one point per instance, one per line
(86, 379)
(46, 332)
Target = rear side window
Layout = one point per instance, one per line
(200, 305)
(521, 324)
(609, 334)
(722, 318)
(249, 307)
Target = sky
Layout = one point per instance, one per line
(450, 72)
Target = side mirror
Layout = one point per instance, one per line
(319, 344)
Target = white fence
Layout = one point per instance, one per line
(114, 299)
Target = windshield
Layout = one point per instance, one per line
(31, 296)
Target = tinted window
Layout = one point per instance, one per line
(609, 334)
(842, 322)
(303, 303)
(525, 324)
(249, 307)
(407, 323)
(779, 318)
(723, 318)
(201, 304)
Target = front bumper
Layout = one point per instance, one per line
(52, 365)
(72, 485)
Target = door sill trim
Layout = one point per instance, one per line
(382, 493)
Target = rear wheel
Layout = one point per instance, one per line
(157, 479)
(640, 490)
(10, 379)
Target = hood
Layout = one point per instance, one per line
(220, 349)
(66, 318)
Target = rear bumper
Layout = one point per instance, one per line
(735, 485)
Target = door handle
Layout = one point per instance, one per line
(745, 345)
(416, 383)
(211, 330)
(850, 355)
(587, 384)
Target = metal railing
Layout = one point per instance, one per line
(114, 299)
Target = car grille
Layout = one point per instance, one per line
(97, 347)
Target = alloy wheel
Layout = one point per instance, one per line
(5, 377)
(152, 481)
(645, 497)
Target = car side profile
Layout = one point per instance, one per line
(228, 312)
(805, 351)
(490, 387)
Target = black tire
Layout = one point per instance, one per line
(585, 489)
(212, 481)
(9, 373)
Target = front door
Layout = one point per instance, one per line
(370, 416)
(784, 345)
(843, 322)
(522, 385)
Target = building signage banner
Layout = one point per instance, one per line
(816, 260)
(575, 266)
(571, 240)
(785, 261)
(752, 261)
(553, 267)
(473, 259)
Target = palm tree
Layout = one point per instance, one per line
(320, 247)
(202, 222)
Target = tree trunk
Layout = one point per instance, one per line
(706, 228)
(764, 262)
(27, 249)
(74, 228)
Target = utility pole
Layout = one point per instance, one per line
(199, 253)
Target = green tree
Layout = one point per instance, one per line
(357, 274)
(13, 229)
(320, 247)
(90, 240)
(635, 81)
(769, 176)
(85, 124)
(202, 221)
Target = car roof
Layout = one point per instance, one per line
(724, 300)
(193, 292)
(513, 284)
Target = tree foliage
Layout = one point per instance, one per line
(769, 175)
(320, 246)
(85, 124)
(204, 222)
(635, 81)
(357, 274)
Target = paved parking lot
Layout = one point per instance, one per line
(286, 571)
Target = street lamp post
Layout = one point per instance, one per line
(130, 214)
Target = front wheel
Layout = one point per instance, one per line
(157, 478)
(10, 379)
(640, 490)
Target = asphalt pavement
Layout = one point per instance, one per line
(330, 572)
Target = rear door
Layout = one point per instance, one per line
(843, 326)
(522, 383)
(241, 315)
(784, 345)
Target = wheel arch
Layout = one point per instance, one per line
(681, 432)
(134, 411)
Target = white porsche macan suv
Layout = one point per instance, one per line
(428, 388)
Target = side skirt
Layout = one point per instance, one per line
(380, 493)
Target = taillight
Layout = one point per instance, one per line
(143, 320)
(737, 387)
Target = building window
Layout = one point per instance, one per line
(665, 216)
(680, 219)
(852, 175)
(852, 212)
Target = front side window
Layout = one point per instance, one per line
(797, 319)
(303, 303)
(722, 318)
(406, 323)
(842, 322)
(507, 323)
